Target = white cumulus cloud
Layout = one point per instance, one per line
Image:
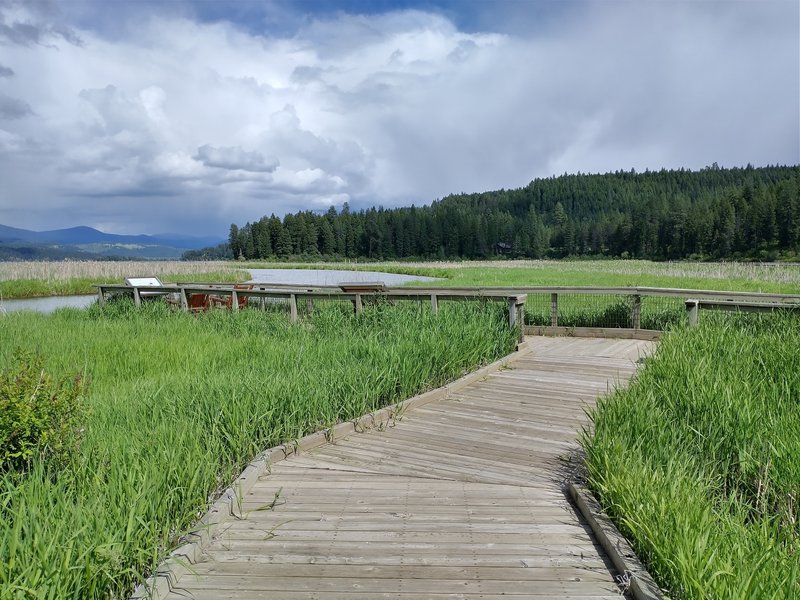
(176, 123)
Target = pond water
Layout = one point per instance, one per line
(326, 277)
(290, 276)
(47, 305)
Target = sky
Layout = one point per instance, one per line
(184, 116)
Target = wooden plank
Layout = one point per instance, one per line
(459, 573)
(576, 588)
(356, 555)
(600, 332)
(459, 498)
(356, 594)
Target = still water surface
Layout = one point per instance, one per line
(290, 276)
(325, 277)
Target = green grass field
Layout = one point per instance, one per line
(746, 277)
(697, 461)
(33, 279)
(36, 279)
(178, 404)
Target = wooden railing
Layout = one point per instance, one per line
(695, 300)
(515, 301)
(693, 307)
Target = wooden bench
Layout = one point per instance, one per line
(362, 287)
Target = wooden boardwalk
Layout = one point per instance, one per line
(461, 499)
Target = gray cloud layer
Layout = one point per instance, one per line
(177, 123)
(235, 159)
(13, 108)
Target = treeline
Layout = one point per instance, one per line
(713, 213)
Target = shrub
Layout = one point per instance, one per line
(40, 416)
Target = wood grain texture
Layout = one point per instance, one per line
(462, 498)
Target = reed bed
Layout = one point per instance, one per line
(697, 460)
(179, 403)
(605, 310)
(751, 277)
(42, 278)
(788, 273)
(733, 276)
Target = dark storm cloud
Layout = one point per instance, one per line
(169, 107)
(13, 108)
(40, 24)
(235, 159)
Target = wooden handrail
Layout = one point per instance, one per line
(694, 305)
(514, 296)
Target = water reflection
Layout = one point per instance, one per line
(47, 305)
(329, 277)
(311, 277)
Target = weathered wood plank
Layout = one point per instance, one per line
(460, 498)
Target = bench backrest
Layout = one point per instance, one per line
(363, 287)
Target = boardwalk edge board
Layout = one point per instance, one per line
(639, 582)
(180, 561)
(649, 335)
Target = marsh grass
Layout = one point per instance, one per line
(751, 277)
(697, 461)
(600, 310)
(179, 403)
(592, 310)
(31, 279)
(734, 276)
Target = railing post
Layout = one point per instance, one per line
(516, 313)
(292, 308)
(358, 304)
(101, 297)
(693, 311)
(184, 299)
(137, 299)
(434, 304)
(554, 310)
(512, 312)
(234, 301)
(636, 312)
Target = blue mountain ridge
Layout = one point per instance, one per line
(87, 235)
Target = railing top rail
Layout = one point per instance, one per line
(463, 292)
(629, 291)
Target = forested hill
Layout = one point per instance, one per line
(712, 213)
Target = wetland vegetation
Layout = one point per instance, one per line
(33, 279)
(176, 404)
(696, 461)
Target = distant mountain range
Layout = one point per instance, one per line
(89, 243)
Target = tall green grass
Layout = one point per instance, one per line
(588, 310)
(749, 277)
(698, 461)
(179, 403)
